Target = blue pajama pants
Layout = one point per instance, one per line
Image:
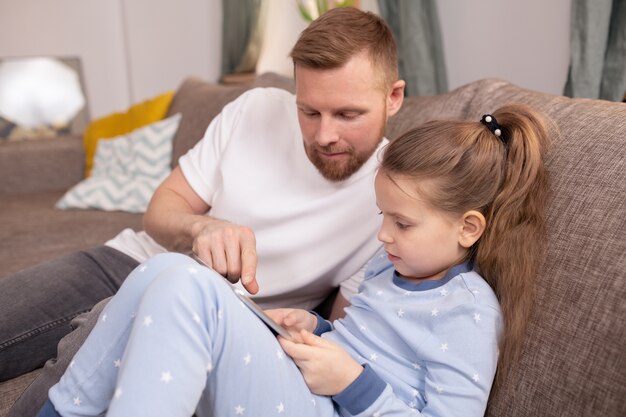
(176, 341)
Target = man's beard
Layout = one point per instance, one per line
(337, 170)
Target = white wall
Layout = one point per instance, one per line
(169, 40)
(525, 42)
(134, 49)
(131, 50)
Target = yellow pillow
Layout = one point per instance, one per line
(116, 124)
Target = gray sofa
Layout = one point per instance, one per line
(574, 357)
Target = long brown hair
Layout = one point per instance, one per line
(332, 39)
(502, 177)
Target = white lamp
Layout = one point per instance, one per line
(38, 92)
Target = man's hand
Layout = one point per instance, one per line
(293, 320)
(325, 366)
(229, 249)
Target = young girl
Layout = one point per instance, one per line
(443, 303)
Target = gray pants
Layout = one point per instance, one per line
(41, 305)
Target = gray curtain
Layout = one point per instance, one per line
(415, 25)
(598, 50)
(243, 23)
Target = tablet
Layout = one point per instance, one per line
(254, 307)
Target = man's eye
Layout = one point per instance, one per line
(309, 113)
(348, 116)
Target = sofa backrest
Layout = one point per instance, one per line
(574, 356)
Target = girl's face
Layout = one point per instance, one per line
(421, 241)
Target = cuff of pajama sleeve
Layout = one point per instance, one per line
(323, 325)
(362, 392)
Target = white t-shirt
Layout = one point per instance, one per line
(251, 169)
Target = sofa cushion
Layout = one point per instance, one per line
(119, 123)
(126, 170)
(33, 231)
(47, 164)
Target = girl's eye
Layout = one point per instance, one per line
(401, 226)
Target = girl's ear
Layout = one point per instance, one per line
(472, 228)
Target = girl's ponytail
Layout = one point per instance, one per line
(510, 251)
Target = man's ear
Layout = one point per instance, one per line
(472, 228)
(395, 97)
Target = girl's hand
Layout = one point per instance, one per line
(293, 320)
(325, 366)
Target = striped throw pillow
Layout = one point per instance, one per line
(126, 171)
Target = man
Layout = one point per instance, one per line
(279, 192)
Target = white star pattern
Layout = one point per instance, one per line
(417, 365)
(220, 313)
(374, 357)
(280, 354)
(362, 328)
(443, 292)
(376, 414)
(476, 317)
(414, 392)
(443, 347)
(143, 268)
(166, 377)
(209, 367)
(439, 389)
(239, 410)
(196, 317)
(247, 358)
(118, 393)
(77, 401)
(476, 378)
(407, 293)
(400, 313)
(434, 312)
(147, 321)
(379, 292)
(72, 364)
(280, 408)
(117, 363)
(104, 317)
(475, 291)
(313, 401)
(192, 270)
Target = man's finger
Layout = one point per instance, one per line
(249, 263)
(233, 260)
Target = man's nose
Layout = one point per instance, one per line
(328, 132)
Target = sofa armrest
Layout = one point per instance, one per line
(47, 164)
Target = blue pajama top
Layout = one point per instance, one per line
(429, 348)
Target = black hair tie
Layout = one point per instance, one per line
(491, 122)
